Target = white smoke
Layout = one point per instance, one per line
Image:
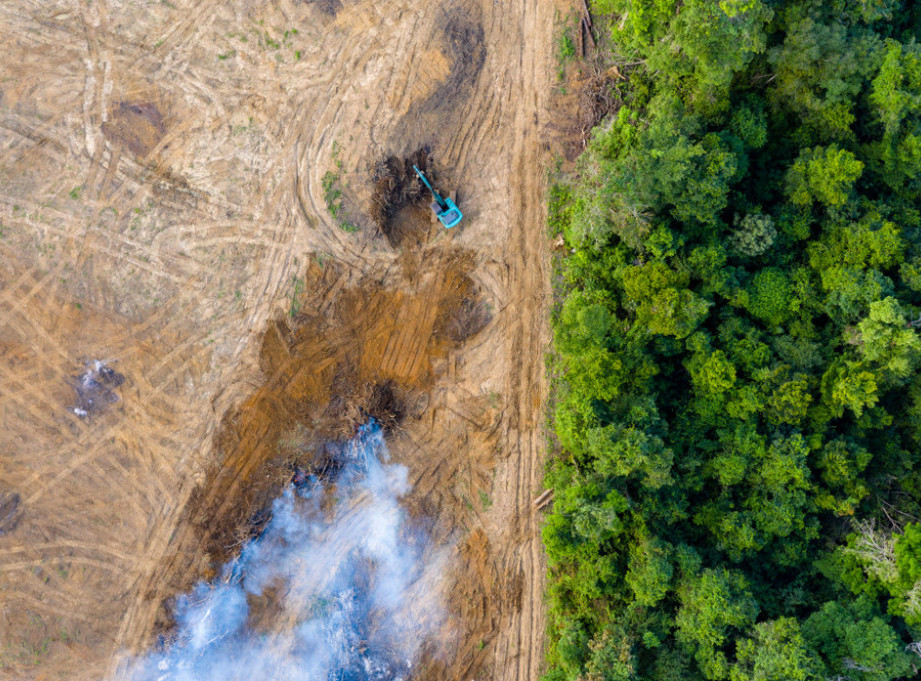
(357, 588)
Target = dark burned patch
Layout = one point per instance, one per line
(463, 41)
(329, 7)
(95, 388)
(387, 405)
(137, 125)
(400, 203)
(9, 511)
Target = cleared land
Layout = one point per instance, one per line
(163, 208)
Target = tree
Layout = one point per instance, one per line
(676, 166)
(855, 641)
(712, 374)
(850, 290)
(877, 10)
(842, 463)
(776, 652)
(907, 588)
(650, 572)
(789, 402)
(871, 242)
(820, 69)
(673, 312)
(769, 296)
(702, 29)
(572, 647)
(739, 449)
(824, 174)
(754, 235)
(895, 90)
(778, 496)
(711, 603)
(888, 343)
(630, 452)
(611, 657)
(749, 123)
(848, 385)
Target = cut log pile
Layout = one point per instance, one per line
(585, 28)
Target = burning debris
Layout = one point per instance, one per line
(95, 388)
(353, 587)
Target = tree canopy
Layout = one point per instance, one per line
(737, 401)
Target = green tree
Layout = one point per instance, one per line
(842, 463)
(776, 652)
(888, 342)
(712, 603)
(869, 242)
(753, 235)
(824, 174)
(713, 374)
(856, 642)
(749, 123)
(612, 657)
(820, 69)
(628, 451)
(650, 572)
(896, 88)
(907, 588)
(702, 29)
(850, 291)
(848, 385)
(896, 96)
(789, 402)
(770, 296)
(673, 313)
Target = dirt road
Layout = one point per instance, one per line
(165, 170)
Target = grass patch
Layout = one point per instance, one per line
(332, 193)
(294, 308)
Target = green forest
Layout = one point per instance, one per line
(737, 345)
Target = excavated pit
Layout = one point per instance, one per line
(400, 205)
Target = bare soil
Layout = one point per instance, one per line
(162, 211)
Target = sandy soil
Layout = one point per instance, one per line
(162, 208)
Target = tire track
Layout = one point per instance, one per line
(258, 196)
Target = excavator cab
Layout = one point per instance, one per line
(444, 208)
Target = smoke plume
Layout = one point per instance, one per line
(354, 588)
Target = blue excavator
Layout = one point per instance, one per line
(445, 209)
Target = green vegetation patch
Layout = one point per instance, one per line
(736, 390)
(332, 193)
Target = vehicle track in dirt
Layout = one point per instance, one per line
(161, 194)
